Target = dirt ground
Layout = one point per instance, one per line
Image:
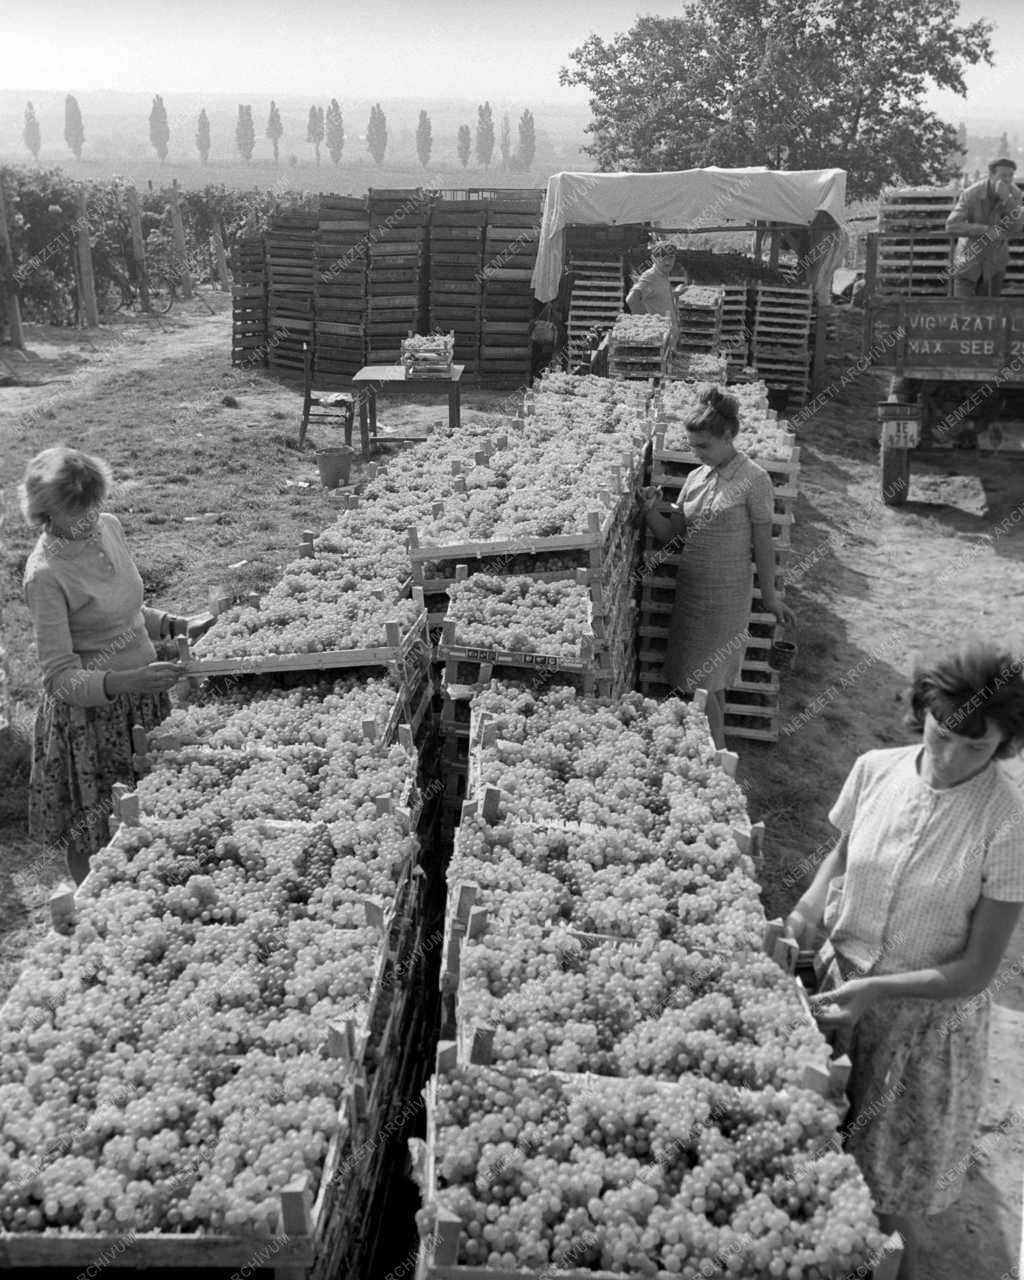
(204, 484)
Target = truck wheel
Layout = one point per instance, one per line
(895, 476)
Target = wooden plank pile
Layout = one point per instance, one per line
(340, 270)
(396, 285)
(781, 344)
(456, 281)
(291, 240)
(596, 299)
(510, 251)
(752, 704)
(735, 336)
(249, 301)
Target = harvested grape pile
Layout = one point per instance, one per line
(588, 940)
(162, 1066)
(645, 1180)
(521, 613)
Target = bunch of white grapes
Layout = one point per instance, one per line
(162, 1065)
(640, 331)
(521, 613)
(691, 1179)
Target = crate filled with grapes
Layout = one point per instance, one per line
(583, 1177)
(202, 1025)
(638, 347)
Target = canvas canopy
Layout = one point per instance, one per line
(813, 199)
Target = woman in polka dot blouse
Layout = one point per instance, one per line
(918, 902)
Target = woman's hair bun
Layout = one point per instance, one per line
(713, 396)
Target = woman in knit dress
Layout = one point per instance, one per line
(724, 511)
(94, 641)
(918, 901)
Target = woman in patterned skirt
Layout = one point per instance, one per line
(724, 512)
(94, 641)
(918, 901)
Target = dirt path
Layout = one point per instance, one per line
(870, 585)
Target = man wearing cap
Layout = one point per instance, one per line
(652, 294)
(985, 216)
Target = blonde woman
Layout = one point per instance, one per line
(94, 641)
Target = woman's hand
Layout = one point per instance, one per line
(784, 615)
(846, 1005)
(803, 931)
(650, 498)
(198, 624)
(158, 677)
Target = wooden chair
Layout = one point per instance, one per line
(331, 407)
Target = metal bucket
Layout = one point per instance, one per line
(335, 465)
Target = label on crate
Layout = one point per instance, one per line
(499, 657)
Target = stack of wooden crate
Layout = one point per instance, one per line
(291, 242)
(396, 285)
(249, 301)
(341, 254)
(914, 252)
(752, 704)
(510, 251)
(456, 276)
(639, 348)
(783, 318)
(596, 299)
(735, 336)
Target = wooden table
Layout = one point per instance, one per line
(374, 377)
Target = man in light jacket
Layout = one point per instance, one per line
(652, 294)
(984, 217)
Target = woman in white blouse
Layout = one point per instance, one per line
(94, 641)
(918, 901)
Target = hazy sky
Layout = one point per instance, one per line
(499, 49)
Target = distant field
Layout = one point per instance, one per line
(348, 178)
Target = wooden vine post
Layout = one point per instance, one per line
(180, 251)
(7, 284)
(138, 245)
(87, 281)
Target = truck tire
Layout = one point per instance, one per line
(895, 476)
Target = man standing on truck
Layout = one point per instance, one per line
(986, 214)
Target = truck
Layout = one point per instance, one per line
(957, 367)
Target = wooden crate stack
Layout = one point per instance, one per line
(456, 280)
(735, 338)
(906, 263)
(604, 560)
(396, 285)
(291, 245)
(634, 358)
(752, 704)
(249, 301)
(781, 355)
(596, 300)
(510, 251)
(341, 255)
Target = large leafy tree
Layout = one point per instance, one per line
(245, 132)
(335, 127)
(424, 139)
(74, 129)
(484, 134)
(828, 83)
(274, 129)
(159, 129)
(315, 130)
(377, 134)
(203, 136)
(465, 144)
(32, 135)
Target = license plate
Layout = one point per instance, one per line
(901, 435)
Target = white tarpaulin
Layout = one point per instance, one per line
(812, 198)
